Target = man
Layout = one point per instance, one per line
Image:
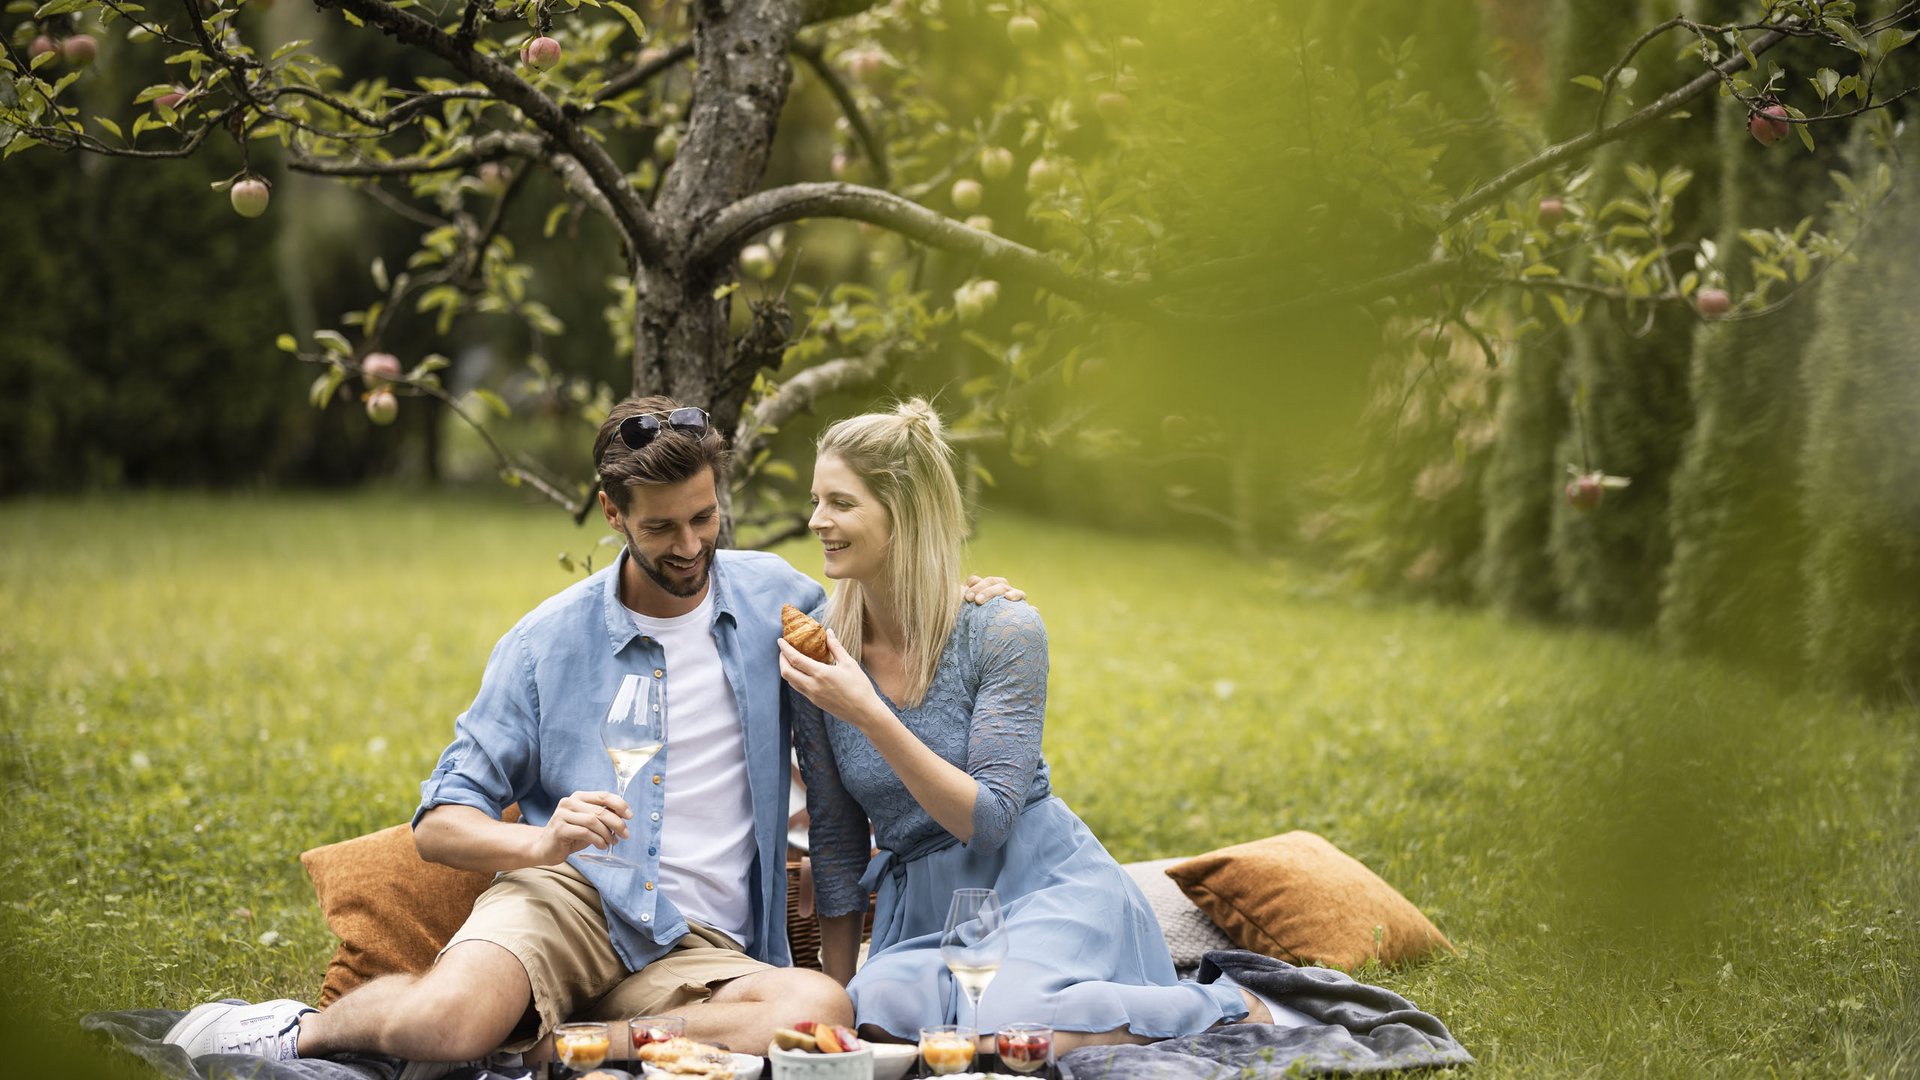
(699, 929)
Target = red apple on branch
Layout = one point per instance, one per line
(1589, 488)
(1770, 124)
(382, 407)
(966, 194)
(80, 49)
(543, 52)
(996, 162)
(41, 46)
(1552, 209)
(249, 197)
(1712, 303)
(1023, 30)
(379, 368)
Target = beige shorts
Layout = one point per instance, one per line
(549, 917)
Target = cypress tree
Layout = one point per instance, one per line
(1733, 586)
(1523, 473)
(1860, 467)
(1608, 562)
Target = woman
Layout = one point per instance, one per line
(928, 725)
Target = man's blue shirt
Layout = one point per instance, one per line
(532, 736)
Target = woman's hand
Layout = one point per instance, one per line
(840, 688)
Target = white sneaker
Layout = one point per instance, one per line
(270, 1029)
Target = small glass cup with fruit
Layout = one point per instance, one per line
(1024, 1048)
(646, 1030)
(947, 1049)
(581, 1046)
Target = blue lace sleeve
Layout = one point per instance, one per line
(1003, 749)
(837, 832)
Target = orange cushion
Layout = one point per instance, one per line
(1297, 897)
(392, 910)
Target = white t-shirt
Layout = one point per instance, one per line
(706, 827)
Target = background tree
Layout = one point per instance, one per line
(1522, 483)
(1268, 195)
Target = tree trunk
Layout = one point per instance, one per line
(682, 345)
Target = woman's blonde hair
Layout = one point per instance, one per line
(904, 458)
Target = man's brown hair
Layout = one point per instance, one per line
(672, 456)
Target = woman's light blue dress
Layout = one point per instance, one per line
(1085, 951)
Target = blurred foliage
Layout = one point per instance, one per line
(1246, 255)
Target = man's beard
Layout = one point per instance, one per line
(674, 587)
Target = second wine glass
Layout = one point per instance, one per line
(635, 730)
(975, 942)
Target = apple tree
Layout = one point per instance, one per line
(1267, 190)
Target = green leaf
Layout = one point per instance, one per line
(297, 43)
(780, 470)
(553, 220)
(286, 343)
(493, 401)
(334, 342)
(1825, 82)
(110, 126)
(1591, 82)
(63, 7)
(633, 20)
(379, 271)
(726, 290)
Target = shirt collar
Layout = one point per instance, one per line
(621, 629)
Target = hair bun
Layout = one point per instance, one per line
(917, 411)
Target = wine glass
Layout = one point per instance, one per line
(975, 942)
(635, 730)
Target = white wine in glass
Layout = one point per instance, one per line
(975, 942)
(635, 730)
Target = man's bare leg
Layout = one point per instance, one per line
(743, 1012)
(461, 1010)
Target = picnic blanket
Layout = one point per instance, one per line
(139, 1031)
(1359, 1029)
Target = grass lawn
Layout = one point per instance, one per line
(1651, 867)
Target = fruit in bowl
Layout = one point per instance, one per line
(813, 1037)
(1024, 1048)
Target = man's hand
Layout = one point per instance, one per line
(583, 819)
(982, 589)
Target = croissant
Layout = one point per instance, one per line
(804, 634)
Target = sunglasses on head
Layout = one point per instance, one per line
(638, 431)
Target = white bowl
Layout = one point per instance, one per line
(892, 1060)
(800, 1065)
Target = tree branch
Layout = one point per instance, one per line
(629, 213)
(870, 144)
(1490, 191)
(489, 147)
(724, 232)
(641, 74)
(798, 394)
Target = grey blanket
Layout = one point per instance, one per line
(139, 1031)
(1362, 1029)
